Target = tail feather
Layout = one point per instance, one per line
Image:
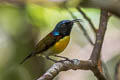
(26, 58)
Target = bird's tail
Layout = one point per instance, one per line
(30, 55)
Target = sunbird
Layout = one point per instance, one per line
(55, 42)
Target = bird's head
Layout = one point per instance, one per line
(64, 27)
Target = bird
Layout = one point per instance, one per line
(55, 42)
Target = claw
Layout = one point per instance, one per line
(55, 61)
(66, 59)
(47, 57)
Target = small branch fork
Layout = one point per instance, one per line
(91, 64)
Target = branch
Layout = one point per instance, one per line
(112, 6)
(74, 65)
(66, 65)
(81, 27)
(88, 19)
(100, 36)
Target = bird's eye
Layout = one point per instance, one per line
(65, 24)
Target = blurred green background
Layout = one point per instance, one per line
(22, 27)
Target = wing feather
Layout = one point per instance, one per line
(43, 45)
(46, 43)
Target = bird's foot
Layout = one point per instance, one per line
(66, 59)
(62, 61)
(55, 61)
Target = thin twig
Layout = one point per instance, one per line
(88, 19)
(100, 36)
(81, 27)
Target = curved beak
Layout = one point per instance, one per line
(77, 20)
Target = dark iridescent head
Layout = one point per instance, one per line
(64, 27)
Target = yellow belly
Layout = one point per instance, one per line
(57, 48)
(61, 45)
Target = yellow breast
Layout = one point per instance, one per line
(61, 44)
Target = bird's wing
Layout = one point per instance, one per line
(46, 43)
(43, 45)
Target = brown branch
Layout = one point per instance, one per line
(96, 56)
(112, 6)
(100, 65)
(81, 27)
(100, 36)
(74, 64)
(98, 74)
(66, 65)
(88, 19)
